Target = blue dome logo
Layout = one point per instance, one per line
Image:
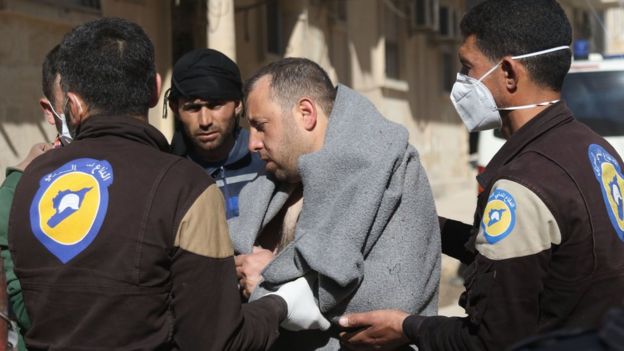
(70, 206)
(609, 175)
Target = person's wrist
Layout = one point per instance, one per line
(279, 303)
(411, 327)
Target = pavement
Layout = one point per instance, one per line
(458, 204)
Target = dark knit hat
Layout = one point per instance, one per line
(206, 74)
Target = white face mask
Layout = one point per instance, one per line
(476, 105)
(65, 136)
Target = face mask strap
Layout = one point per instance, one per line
(488, 72)
(56, 114)
(537, 53)
(526, 107)
(65, 135)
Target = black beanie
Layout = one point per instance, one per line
(206, 74)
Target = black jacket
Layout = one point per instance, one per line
(120, 245)
(546, 250)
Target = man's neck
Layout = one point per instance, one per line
(280, 231)
(516, 119)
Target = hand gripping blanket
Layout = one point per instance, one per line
(368, 227)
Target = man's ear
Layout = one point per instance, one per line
(308, 112)
(77, 107)
(238, 107)
(513, 71)
(156, 91)
(47, 111)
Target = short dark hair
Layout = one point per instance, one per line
(109, 62)
(294, 77)
(49, 70)
(516, 27)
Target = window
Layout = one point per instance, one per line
(89, 6)
(188, 27)
(449, 72)
(339, 42)
(392, 54)
(597, 99)
(444, 27)
(448, 26)
(274, 29)
(392, 60)
(424, 14)
(341, 10)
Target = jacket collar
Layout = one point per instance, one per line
(125, 127)
(546, 120)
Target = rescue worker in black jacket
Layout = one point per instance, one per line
(119, 244)
(546, 250)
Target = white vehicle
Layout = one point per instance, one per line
(594, 91)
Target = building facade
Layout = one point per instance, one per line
(402, 54)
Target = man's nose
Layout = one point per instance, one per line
(255, 142)
(205, 117)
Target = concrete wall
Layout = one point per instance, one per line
(614, 19)
(30, 28)
(352, 50)
(25, 42)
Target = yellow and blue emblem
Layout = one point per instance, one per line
(609, 175)
(70, 206)
(499, 217)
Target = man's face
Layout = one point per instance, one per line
(475, 64)
(273, 133)
(209, 125)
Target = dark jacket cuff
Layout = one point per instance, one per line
(278, 304)
(411, 327)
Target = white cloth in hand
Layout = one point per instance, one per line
(303, 313)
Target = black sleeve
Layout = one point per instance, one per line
(455, 235)
(208, 311)
(441, 333)
(502, 303)
(206, 303)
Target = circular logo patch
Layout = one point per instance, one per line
(609, 175)
(499, 216)
(70, 206)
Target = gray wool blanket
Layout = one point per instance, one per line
(368, 227)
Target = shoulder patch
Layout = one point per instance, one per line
(70, 205)
(609, 176)
(499, 217)
(203, 229)
(515, 223)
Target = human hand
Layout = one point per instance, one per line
(35, 151)
(303, 312)
(249, 268)
(379, 330)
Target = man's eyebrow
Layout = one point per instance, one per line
(254, 119)
(190, 103)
